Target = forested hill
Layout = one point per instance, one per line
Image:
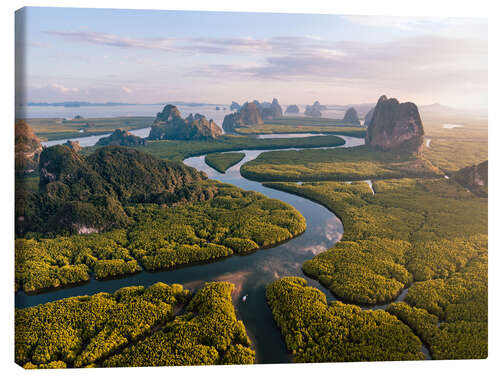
(83, 194)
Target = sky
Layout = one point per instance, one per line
(141, 56)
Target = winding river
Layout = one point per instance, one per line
(250, 273)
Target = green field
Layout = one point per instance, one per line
(221, 162)
(59, 128)
(356, 163)
(162, 325)
(304, 125)
(179, 150)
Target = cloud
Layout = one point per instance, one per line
(191, 45)
(420, 63)
(393, 22)
(126, 89)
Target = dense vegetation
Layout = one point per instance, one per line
(317, 332)
(135, 326)
(157, 237)
(426, 234)
(207, 334)
(78, 194)
(59, 128)
(179, 150)
(452, 155)
(356, 163)
(223, 161)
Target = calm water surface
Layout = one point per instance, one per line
(250, 273)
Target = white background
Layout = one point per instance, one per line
(456, 8)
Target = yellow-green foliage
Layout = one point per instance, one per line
(409, 229)
(223, 161)
(455, 340)
(355, 163)
(79, 331)
(235, 221)
(452, 155)
(431, 231)
(208, 334)
(317, 332)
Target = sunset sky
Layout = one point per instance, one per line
(158, 56)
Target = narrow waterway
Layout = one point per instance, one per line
(250, 273)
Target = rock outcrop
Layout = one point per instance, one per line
(292, 109)
(351, 116)
(234, 106)
(74, 145)
(170, 125)
(249, 114)
(273, 111)
(395, 127)
(27, 148)
(475, 178)
(368, 117)
(121, 137)
(319, 106)
(312, 111)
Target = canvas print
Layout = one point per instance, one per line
(211, 188)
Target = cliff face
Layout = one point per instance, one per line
(351, 116)
(368, 117)
(395, 126)
(234, 106)
(273, 111)
(249, 114)
(27, 148)
(475, 178)
(121, 138)
(170, 125)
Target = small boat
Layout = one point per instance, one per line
(244, 297)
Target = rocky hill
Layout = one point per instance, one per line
(121, 138)
(27, 148)
(312, 111)
(86, 194)
(351, 116)
(234, 106)
(249, 114)
(475, 178)
(273, 111)
(292, 109)
(395, 126)
(170, 125)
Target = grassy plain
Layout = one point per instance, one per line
(289, 124)
(221, 162)
(356, 163)
(179, 150)
(59, 128)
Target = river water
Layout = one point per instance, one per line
(250, 273)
